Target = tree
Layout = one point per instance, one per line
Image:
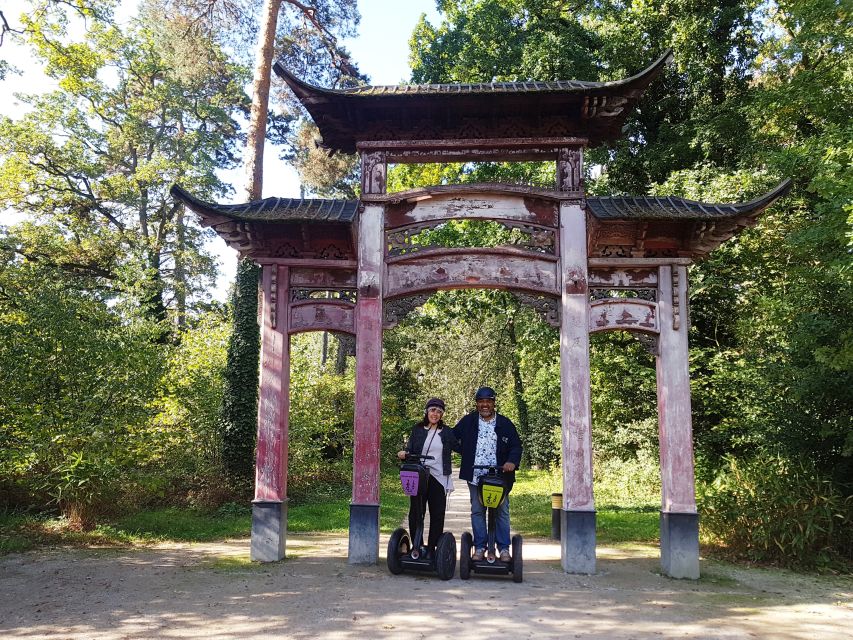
(758, 91)
(307, 33)
(96, 157)
(77, 376)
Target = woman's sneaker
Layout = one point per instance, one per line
(505, 555)
(479, 554)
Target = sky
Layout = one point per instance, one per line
(381, 50)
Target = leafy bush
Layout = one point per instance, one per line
(771, 509)
(632, 483)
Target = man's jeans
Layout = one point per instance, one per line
(478, 521)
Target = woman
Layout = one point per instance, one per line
(431, 437)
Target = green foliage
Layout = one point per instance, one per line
(771, 509)
(636, 522)
(189, 458)
(239, 409)
(94, 159)
(77, 376)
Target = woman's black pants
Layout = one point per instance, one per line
(436, 499)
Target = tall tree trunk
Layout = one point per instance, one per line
(260, 101)
(239, 415)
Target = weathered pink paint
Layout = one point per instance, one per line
(368, 357)
(574, 362)
(626, 314)
(472, 268)
(322, 315)
(673, 382)
(274, 394)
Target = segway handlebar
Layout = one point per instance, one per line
(419, 456)
(493, 468)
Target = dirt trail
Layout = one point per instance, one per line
(210, 591)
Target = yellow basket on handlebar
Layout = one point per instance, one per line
(492, 491)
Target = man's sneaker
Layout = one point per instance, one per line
(505, 555)
(479, 554)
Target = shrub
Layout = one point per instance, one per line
(772, 509)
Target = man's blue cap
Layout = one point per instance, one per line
(485, 393)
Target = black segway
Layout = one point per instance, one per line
(492, 491)
(408, 552)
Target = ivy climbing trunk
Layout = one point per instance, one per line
(240, 402)
(240, 399)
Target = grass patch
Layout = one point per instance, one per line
(531, 512)
(326, 511)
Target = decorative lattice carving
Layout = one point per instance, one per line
(284, 250)
(332, 252)
(649, 342)
(273, 294)
(373, 172)
(570, 170)
(398, 308)
(616, 251)
(676, 300)
(528, 237)
(347, 295)
(547, 306)
(649, 295)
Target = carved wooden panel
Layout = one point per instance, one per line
(623, 314)
(570, 170)
(486, 206)
(315, 241)
(623, 277)
(471, 270)
(517, 235)
(322, 316)
(650, 295)
(373, 172)
(398, 308)
(301, 277)
(547, 306)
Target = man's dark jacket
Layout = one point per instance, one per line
(508, 447)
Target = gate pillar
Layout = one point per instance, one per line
(679, 521)
(578, 514)
(269, 508)
(364, 509)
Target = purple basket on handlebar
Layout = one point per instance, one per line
(414, 478)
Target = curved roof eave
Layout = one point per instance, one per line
(309, 93)
(670, 208)
(272, 210)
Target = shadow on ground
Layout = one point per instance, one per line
(213, 591)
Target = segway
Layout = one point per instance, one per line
(492, 491)
(408, 552)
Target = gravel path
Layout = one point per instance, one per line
(211, 591)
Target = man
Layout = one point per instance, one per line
(487, 438)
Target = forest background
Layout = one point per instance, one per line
(120, 379)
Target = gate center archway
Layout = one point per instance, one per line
(590, 264)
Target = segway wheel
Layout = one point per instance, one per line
(465, 545)
(445, 556)
(398, 546)
(517, 561)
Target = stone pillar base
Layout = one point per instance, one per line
(577, 541)
(363, 534)
(679, 545)
(269, 530)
